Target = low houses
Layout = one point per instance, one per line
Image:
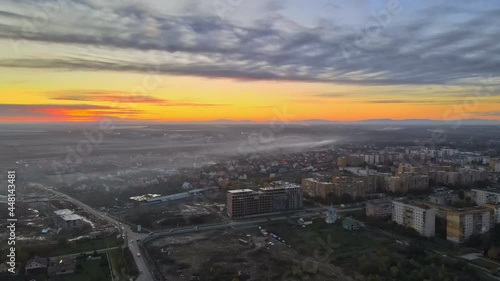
(36, 265)
(350, 224)
(67, 219)
(4, 268)
(62, 268)
(304, 223)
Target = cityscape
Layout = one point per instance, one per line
(249, 140)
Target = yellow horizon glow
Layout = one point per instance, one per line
(190, 99)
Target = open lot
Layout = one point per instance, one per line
(220, 255)
(317, 252)
(91, 270)
(177, 214)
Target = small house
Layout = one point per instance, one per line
(350, 224)
(37, 265)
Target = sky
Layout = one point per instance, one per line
(202, 60)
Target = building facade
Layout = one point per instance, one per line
(485, 196)
(280, 196)
(314, 188)
(353, 186)
(463, 223)
(407, 182)
(416, 216)
(379, 208)
(65, 218)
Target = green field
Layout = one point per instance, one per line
(118, 263)
(307, 240)
(91, 271)
(486, 263)
(86, 246)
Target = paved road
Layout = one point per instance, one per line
(89, 253)
(139, 260)
(132, 237)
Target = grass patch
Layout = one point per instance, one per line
(91, 271)
(118, 263)
(87, 245)
(486, 263)
(307, 240)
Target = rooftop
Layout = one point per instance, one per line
(240, 191)
(318, 181)
(417, 204)
(67, 215)
(280, 185)
(380, 201)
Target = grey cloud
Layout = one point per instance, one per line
(404, 54)
(38, 109)
(489, 113)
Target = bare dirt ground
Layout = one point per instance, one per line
(220, 255)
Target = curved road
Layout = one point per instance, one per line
(133, 238)
(124, 228)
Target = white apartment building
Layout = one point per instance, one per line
(419, 217)
(496, 212)
(485, 196)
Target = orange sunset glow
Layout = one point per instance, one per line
(176, 71)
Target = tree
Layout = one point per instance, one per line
(495, 235)
(492, 254)
(62, 242)
(394, 271)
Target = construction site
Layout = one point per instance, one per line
(245, 255)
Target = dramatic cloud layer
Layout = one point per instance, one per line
(405, 44)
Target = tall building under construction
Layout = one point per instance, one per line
(280, 196)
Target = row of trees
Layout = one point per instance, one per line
(412, 263)
(488, 242)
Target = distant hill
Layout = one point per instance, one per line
(407, 122)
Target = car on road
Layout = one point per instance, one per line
(171, 231)
(138, 240)
(195, 228)
(138, 254)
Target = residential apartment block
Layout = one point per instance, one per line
(496, 211)
(379, 208)
(314, 188)
(485, 196)
(280, 196)
(354, 186)
(416, 216)
(408, 182)
(463, 223)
